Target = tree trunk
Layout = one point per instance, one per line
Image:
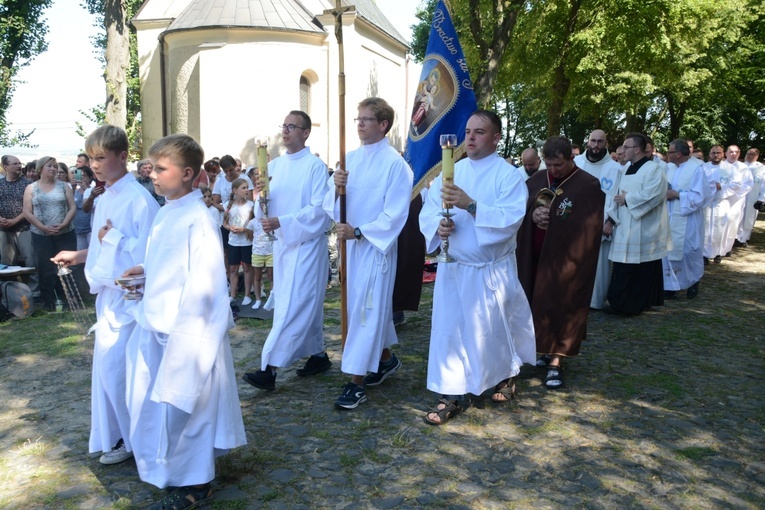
(117, 61)
(561, 83)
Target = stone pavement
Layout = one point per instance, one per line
(664, 410)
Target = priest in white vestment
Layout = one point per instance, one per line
(755, 194)
(597, 162)
(638, 214)
(295, 215)
(687, 194)
(732, 181)
(482, 330)
(182, 394)
(378, 185)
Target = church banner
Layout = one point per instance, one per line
(443, 101)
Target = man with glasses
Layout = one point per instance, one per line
(755, 196)
(687, 194)
(378, 185)
(639, 225)
(15, 236)
(597, 162)
(295, 215)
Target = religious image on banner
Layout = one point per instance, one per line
(443, 101)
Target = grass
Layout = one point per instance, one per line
(695, 453)
(44, 333)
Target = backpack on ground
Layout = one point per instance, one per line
(15, 300)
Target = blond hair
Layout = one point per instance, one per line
(106, 138)
(182, 149)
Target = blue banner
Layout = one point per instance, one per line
(443, 101)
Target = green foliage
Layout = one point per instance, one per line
(690, 68)
(22, 37)
(133, 99)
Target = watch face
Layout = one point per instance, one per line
(471, 207)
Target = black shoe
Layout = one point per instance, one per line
(729, 254)
(399, 319)
(718, 259)
(383, 371)
(352, 396)
(706, 261)
(314, 365)
(265, 380)
(692, 291)
(669, 294)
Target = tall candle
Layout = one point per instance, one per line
(263, 165)
(448, 143)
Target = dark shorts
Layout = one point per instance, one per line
(239, 254)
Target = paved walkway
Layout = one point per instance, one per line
(665, 410)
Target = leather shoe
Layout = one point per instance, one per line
(693, 291)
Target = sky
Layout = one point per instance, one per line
(68, 78)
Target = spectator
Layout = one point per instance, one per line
(49, 207)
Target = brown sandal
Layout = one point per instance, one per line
(450, 410)
(504, 391)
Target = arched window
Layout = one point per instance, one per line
(305, 95)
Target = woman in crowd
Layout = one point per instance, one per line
(49, 208)
(62, 174)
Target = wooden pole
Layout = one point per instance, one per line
(340, 191)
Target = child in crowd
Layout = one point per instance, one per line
(262, 257)
(239, 212)
(182, 395)
(214, 213)
(123, 219)
(84, 204)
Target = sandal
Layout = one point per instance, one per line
(544, 360)
(450, 410)
(554, 379)
(504, 391)
(184, 498)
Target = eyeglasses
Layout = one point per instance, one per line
(364, 120)
(629, 147)
(291, 127)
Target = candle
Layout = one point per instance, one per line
(263, 165)
(448, 142)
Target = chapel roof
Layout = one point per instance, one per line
(272, 14)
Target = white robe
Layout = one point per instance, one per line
(182, 394)
(684, 264)
(641, 233)
(482, 330)
(131, 209)
(301, 262)
(724, 214)
(754, 194)
(377, 201)
(607, 171)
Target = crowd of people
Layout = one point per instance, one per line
(535, 249)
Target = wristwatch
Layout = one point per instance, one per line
(357, 232)
(471, 207)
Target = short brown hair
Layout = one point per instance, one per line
(381, 109)
(182, 149)
(107, 138)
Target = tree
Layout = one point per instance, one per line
(22, 37)
(118, 50)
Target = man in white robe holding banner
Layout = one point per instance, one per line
(296, 193)
(378, 186)
(482, 330)
(688, 193)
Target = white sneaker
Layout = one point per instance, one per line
(231, 299)
(257, 304)
(246, 301)
(118, 454)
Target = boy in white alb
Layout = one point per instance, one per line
(123, 218)
(182, 395)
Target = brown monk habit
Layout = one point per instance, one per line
(557, 266)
